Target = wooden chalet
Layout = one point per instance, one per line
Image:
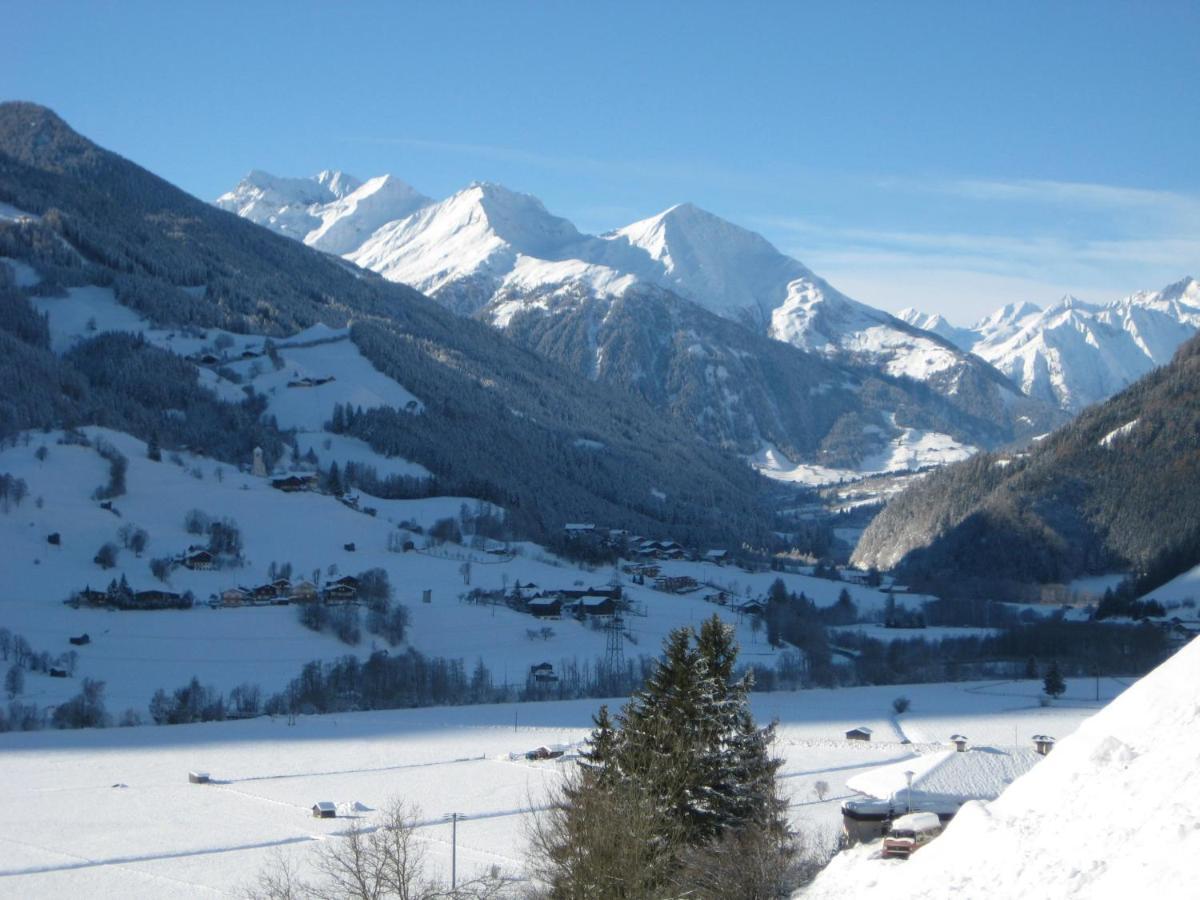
(545, 607)
(303, 592)
(335, 592)
(861, 733)
(156, 599)
(676, 584)
(324, 810)
(543, 673)
(597, 606)
(293, 483)
(88, 597)
(200, 560)
(263, 593)
(236, 596)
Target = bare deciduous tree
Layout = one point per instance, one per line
(385, 861)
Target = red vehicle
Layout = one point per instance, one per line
(910, 833)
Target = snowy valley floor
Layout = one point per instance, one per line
(111, 813)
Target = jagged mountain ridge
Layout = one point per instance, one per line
(501, 256)
(1073, 354)
(499, 422)
(332, 211)
(487, 239)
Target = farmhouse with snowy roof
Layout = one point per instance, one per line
(199, 560)
(545, 607)
(941, 782)
(597, 605)
(293, 483)
(861, 733)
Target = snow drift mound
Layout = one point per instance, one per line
(1113, 811)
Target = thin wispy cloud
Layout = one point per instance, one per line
(670, 170)
(897, 268)
(1173, 206)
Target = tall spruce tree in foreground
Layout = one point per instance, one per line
(677, 796)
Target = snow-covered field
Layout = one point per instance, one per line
(912, 450)
(111, 813)
(1179, 589)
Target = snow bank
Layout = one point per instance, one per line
(1113, 811)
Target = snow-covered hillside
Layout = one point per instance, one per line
(1073, 354)
(1111, 812)
(138, 652)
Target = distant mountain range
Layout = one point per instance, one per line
(1074, 354)
(702, 317)
(490, 252)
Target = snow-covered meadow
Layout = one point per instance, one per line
(111, 813)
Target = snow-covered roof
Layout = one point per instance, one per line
(946, 778)
(918, 821)
(862, 729)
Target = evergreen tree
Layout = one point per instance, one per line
(602, 742)
(1053, 683)
(333, 482)
(686, 746)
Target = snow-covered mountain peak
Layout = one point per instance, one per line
(338, 183)
(1186, 291)
(728, 269)
(1007, 317)
(1075, 353)
(351, 219)
(1071, 302)
(520, 220)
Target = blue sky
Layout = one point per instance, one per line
(952, 156)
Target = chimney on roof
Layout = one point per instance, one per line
(960, 742)
(1043, 743)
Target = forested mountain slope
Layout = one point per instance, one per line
(742, 390)
(1118, 488)
(498, 422)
